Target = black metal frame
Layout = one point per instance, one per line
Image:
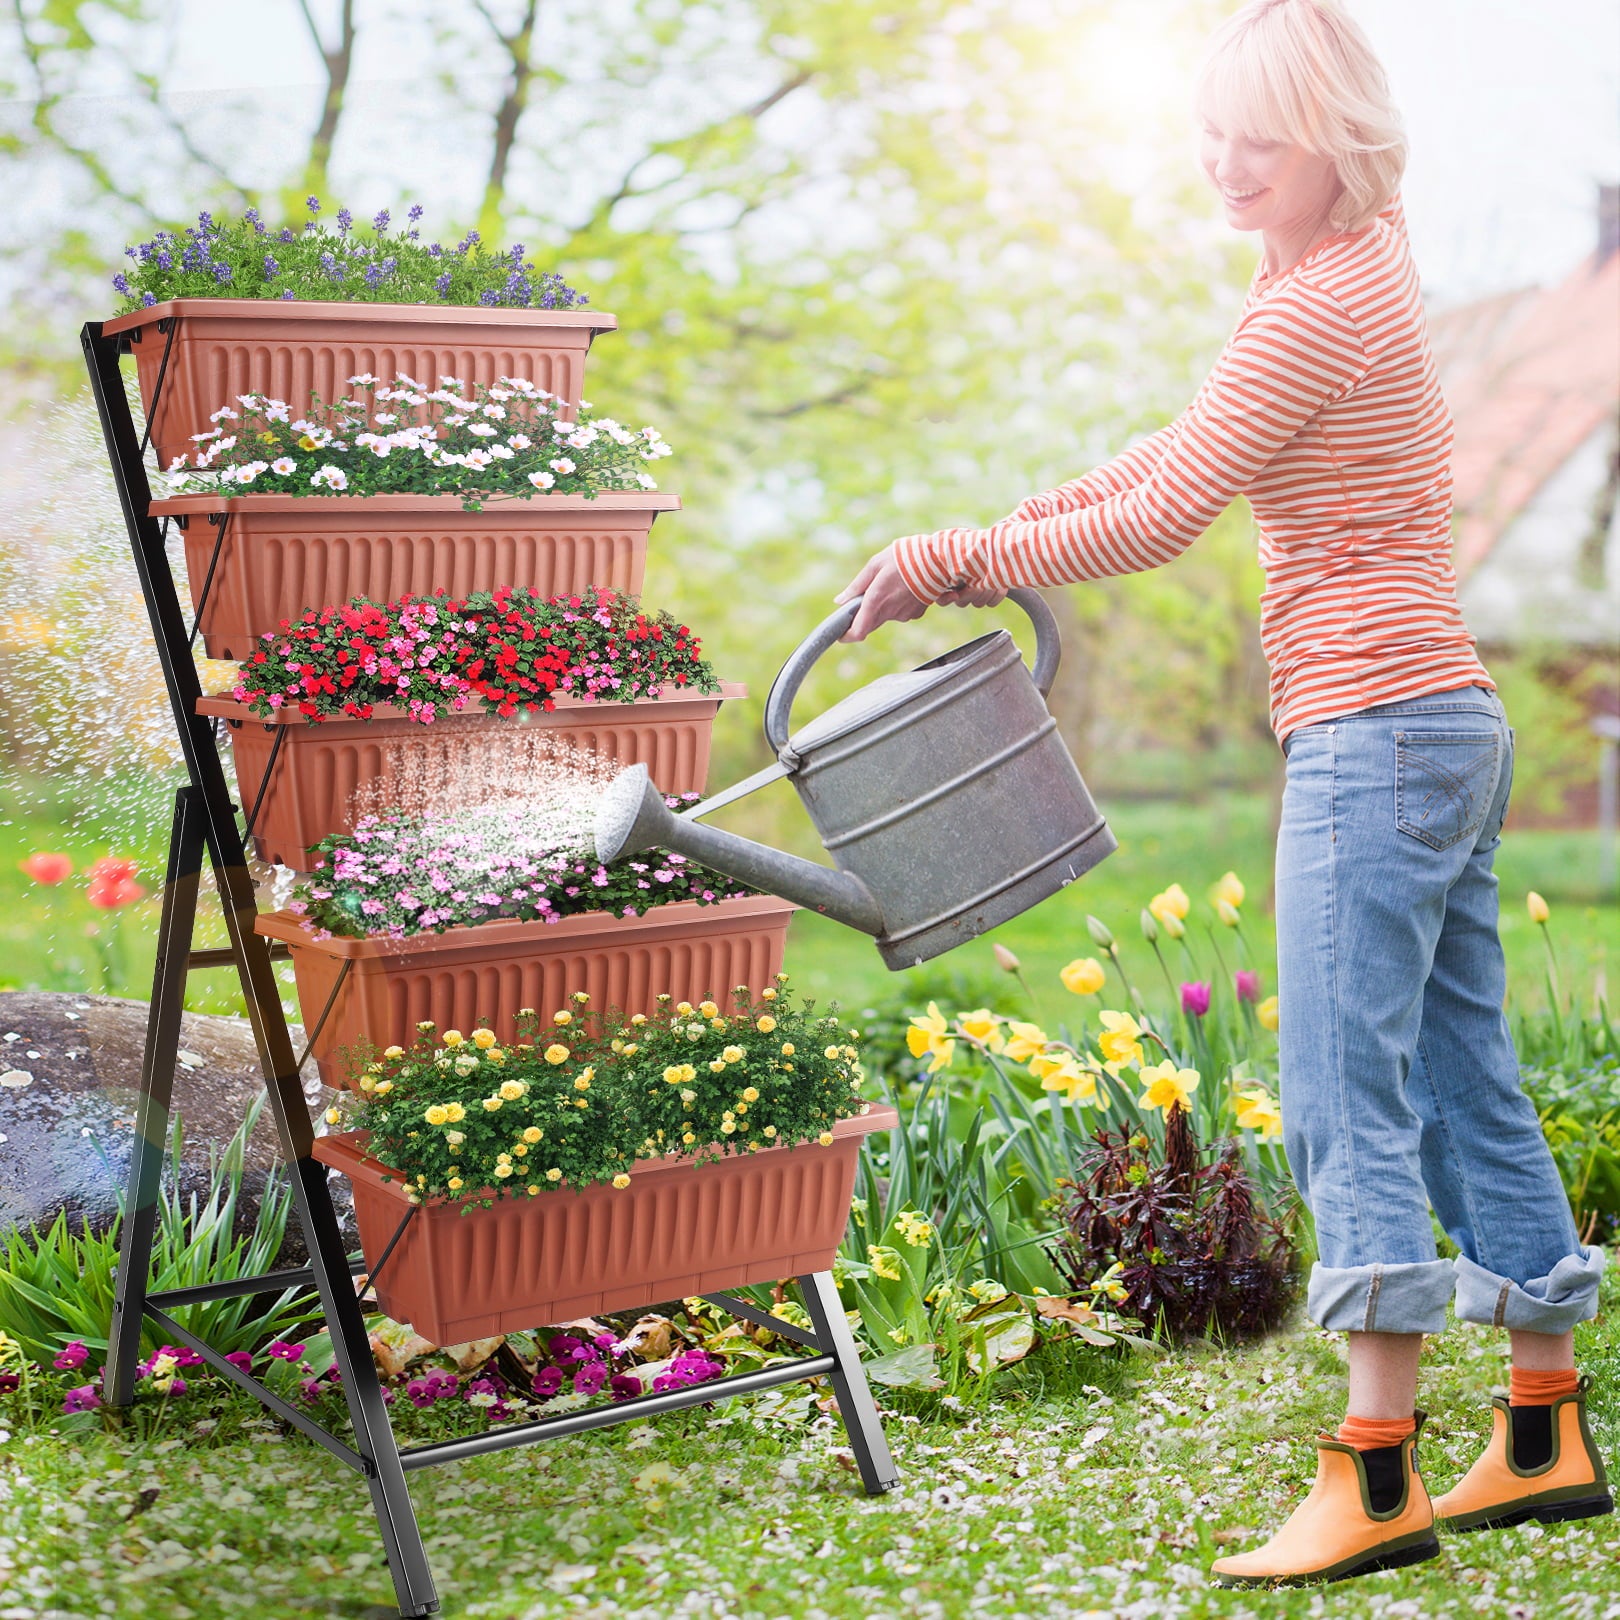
(205, 823)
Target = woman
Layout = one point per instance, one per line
(1399, 1082)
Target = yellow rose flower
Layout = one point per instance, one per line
(454, 1183)
(830, 1052)
(727, 1126)
(750, 1094)
(765, 1024)
(770, 1130)
(519, 1151)
(491, 1104)
(384, 1087)
(1084, 976)
(718, 1066)
(454, 1113)
(554, 1174)
(621, 1180)
(367, 1082)
(709, 1009)
(825, 1139)
(788, 1049)
(767, 995)
(733, 1054)
(437, 1114)
(639, 1019)
(688, 1137)
(557, 1054)
(394, 1052)
(334, 1116)
(453, 1037)
(1171, 902)
(484, 1038)
(1266, 1012)
(532, 1134)
(684, 1008)
(502, 1171)
(561, 1017)
(454, 1138)
(511, 1090)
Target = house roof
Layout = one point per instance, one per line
(1529, 376)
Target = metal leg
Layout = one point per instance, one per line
(157, 1086)
(855, 1404)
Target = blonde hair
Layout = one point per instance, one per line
(1303, 72)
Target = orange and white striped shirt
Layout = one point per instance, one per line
(1325, 410)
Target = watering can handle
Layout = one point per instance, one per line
(779, 705)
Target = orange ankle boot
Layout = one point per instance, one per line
(1497, 1491)
(1335, 1532)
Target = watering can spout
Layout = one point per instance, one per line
(633, 816)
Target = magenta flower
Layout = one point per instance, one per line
(590, 1378)
(82, 1399)
(9, 1381)
(1195, 998)
(1247, 984)
(547, 1382)
(625, 1386)
(283, 1351)
(242, 1360)
(71, 1357)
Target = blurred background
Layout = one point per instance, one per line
(879, 266)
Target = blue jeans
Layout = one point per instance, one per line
(1399, 1084)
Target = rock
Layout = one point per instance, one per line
(70, 1068)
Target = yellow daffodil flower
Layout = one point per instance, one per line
(1120, 1041)
(1168, 1087)
(1171, 902)
(928, 1036)
(1024, 1041)
(1257, 1110)
(1228, 913)
(984, 1026)
(1084, 976)
(1174, 926)
(1538, 908)
(1266, 1012)
(1063, 1073)
(1228, 887)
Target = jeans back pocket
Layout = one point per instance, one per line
(1444, 783)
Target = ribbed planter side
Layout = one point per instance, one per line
(228, 346)
(284, 554)
(485, 975)
(321, 766)
(677, 1229)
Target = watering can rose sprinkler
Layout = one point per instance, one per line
(944, 794)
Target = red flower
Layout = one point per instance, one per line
(112, 884)
(47, 869)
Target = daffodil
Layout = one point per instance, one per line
(1257, 1110)
(983, 1026)
(1538, 908)
(1024, 1041)
(1168, 1087)
(928, 1035)
(1084, 976)
(1064, 1073)
(1228, 887)
(1120, 1041)
(1171, 902)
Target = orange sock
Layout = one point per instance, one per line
(1369, 1434)
(1527, 1386)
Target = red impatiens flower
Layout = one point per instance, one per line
(47, 869)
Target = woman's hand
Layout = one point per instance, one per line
(887, 597)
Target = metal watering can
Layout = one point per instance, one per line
(945, 796)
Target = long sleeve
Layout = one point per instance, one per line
(1292, 354)
(1125, 471)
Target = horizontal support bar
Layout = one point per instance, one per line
(287, 1413)
(760, 1318)
(600, 1417)
(267, 1282)
(223, 956)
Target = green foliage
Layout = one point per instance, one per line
(56, 1284)
(246, 259)
(1575, 1084)
(575, 1100)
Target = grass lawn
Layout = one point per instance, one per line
(55, 940)
(1087, 1488)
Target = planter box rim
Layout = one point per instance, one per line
(279, 309)
(677, 915)
(222, 707)
(618, 500)
(344, 1153)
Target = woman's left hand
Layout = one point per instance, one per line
(887, 598)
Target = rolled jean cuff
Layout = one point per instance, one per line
(1381, 1299)
(1552, 1304)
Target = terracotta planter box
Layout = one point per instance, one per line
(228, 346)
(468, 976)
(284, 554)
(321, 765)
(677, 1229)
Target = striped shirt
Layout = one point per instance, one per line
(1325, 410)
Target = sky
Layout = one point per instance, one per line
(1512, 109)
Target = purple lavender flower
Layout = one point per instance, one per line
(415, 213)
(489, 298)
(289, 293)
(379, 220)
(222, 274)
(313, 204)
(344, 220)
(71, 1357)
(148, 300)
(271, 268)
(251, 215)
(374, 275)
(286, 234)
(121, 284)
(442, 283)
(82, 1399)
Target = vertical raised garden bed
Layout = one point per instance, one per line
(378, 990)
(209, 350)
(264, 558)
(304, 792)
